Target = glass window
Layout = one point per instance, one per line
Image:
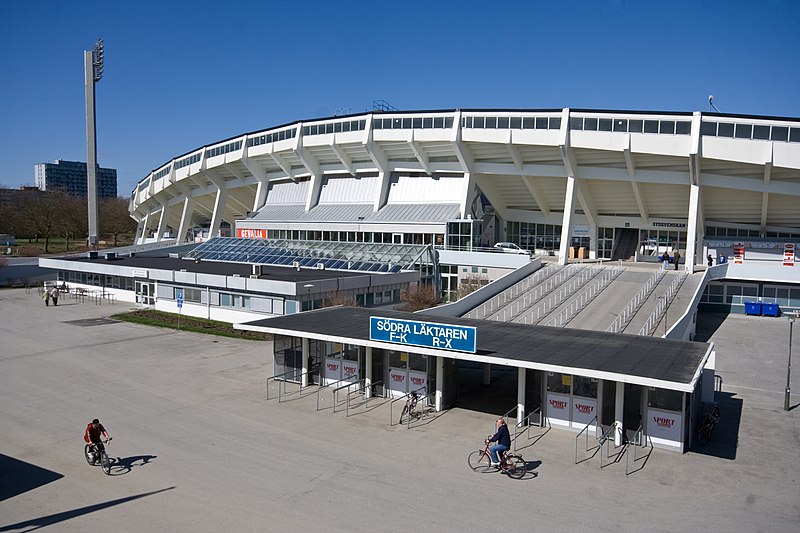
(417, 123)
(669, 400)
(761, 132)
(448, 122)
(555, 123)
(527, 123)
(620, 124)
(427, 122)
(502, 123)
(479, 122)
(635, 126)
(438, 122)
(516, 123)
(491, 123)
(725, 129)
(794, 135)
(605, 124)
(667, 126)
(780, 133)
(651, 126)
(575, 123)
(406, 123)
(590, 124)
(683, 127)
(744, 131)
(559, 383)
(585, 387)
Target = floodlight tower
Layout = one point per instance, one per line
(93, 72)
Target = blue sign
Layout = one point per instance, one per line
(425, 334)
(179, 295)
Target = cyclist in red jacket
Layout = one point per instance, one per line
(94, 432)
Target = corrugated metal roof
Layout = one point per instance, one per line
(428, 213)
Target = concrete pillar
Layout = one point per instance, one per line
(487, 374)
(619, 405)
(566, 221)
(306, 353)
(368, 372)
(216, 217)
(162, 222)
(521, 374)
(439, 384)
(692, 228)
(186, 219)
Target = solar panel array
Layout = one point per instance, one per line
(365, 257)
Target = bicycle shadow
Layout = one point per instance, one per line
(123, 465)
(530, 469)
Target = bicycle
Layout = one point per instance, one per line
(511, 464)
(707, 423)
(410, 407)
(95, 453)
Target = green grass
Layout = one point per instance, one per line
(149, 317)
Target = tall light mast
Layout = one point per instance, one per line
(93, 72)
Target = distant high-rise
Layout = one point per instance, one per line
(70, 177)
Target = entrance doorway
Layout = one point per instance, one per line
(632, 411)
(145, 293)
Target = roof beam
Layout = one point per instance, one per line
(375, 153)
(629, 163)
(637, 193)
(587, 204)
(287, 169)
(536, 192)
(343, 158)
(513, 151)
(419, 154)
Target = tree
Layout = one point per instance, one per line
(339, 298)
(417, 297)
(470, 284)
(114, 218)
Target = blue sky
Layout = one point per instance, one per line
(179, 75)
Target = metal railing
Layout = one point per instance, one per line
(367, 395)
(624, 318)
(586, 297)
(663, 303)
(282, 380)
(499, 301)
(333, 383)
(558, 297)
(526, 423)
(609, 436)
(639, 440)
(585, 433)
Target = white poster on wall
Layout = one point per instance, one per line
(350, 370)
(558, 409)
(398, 381)
(333, 370)
(664, 426)
(418, 380)
(583, 411)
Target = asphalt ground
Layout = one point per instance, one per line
(197, 447)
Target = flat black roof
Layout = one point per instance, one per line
(630, 358)
(221, 268)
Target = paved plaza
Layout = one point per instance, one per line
(197, 447)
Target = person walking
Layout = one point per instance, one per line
(677, 258)
(54, 295)
(710, 260)
(46, 297)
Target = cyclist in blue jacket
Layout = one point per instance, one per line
(503, 440)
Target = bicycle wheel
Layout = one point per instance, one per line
(704, 435)
(516, 467)
(105, 462)
(87, 454)
(480, 461)
(403, 414)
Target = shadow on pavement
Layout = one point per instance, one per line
(123, 465)
(708, 324)
(49, 520)
(725, 440)
(18, 476)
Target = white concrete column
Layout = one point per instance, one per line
(522, 372)
(439, 384)
(216, 217)
(692, 228)
(487, 374)
(566, 221)
(619, 405)
(162, 222)
(368, 372)
(186, 219)
(141, 227)
(305, 350)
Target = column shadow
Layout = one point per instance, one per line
(18, 476)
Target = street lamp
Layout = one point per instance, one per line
(308, 287)
(791, 317)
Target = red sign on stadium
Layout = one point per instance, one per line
(246, 233)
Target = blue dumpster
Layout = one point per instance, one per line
(752, 308)
(770, 309)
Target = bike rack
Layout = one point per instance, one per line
(405, 397)
(366, 396)
(639, 440)
(585, 433)
(281, 378)
(605, 438)
(526, 423)
(349, 383)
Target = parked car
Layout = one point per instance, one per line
(510, 248)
